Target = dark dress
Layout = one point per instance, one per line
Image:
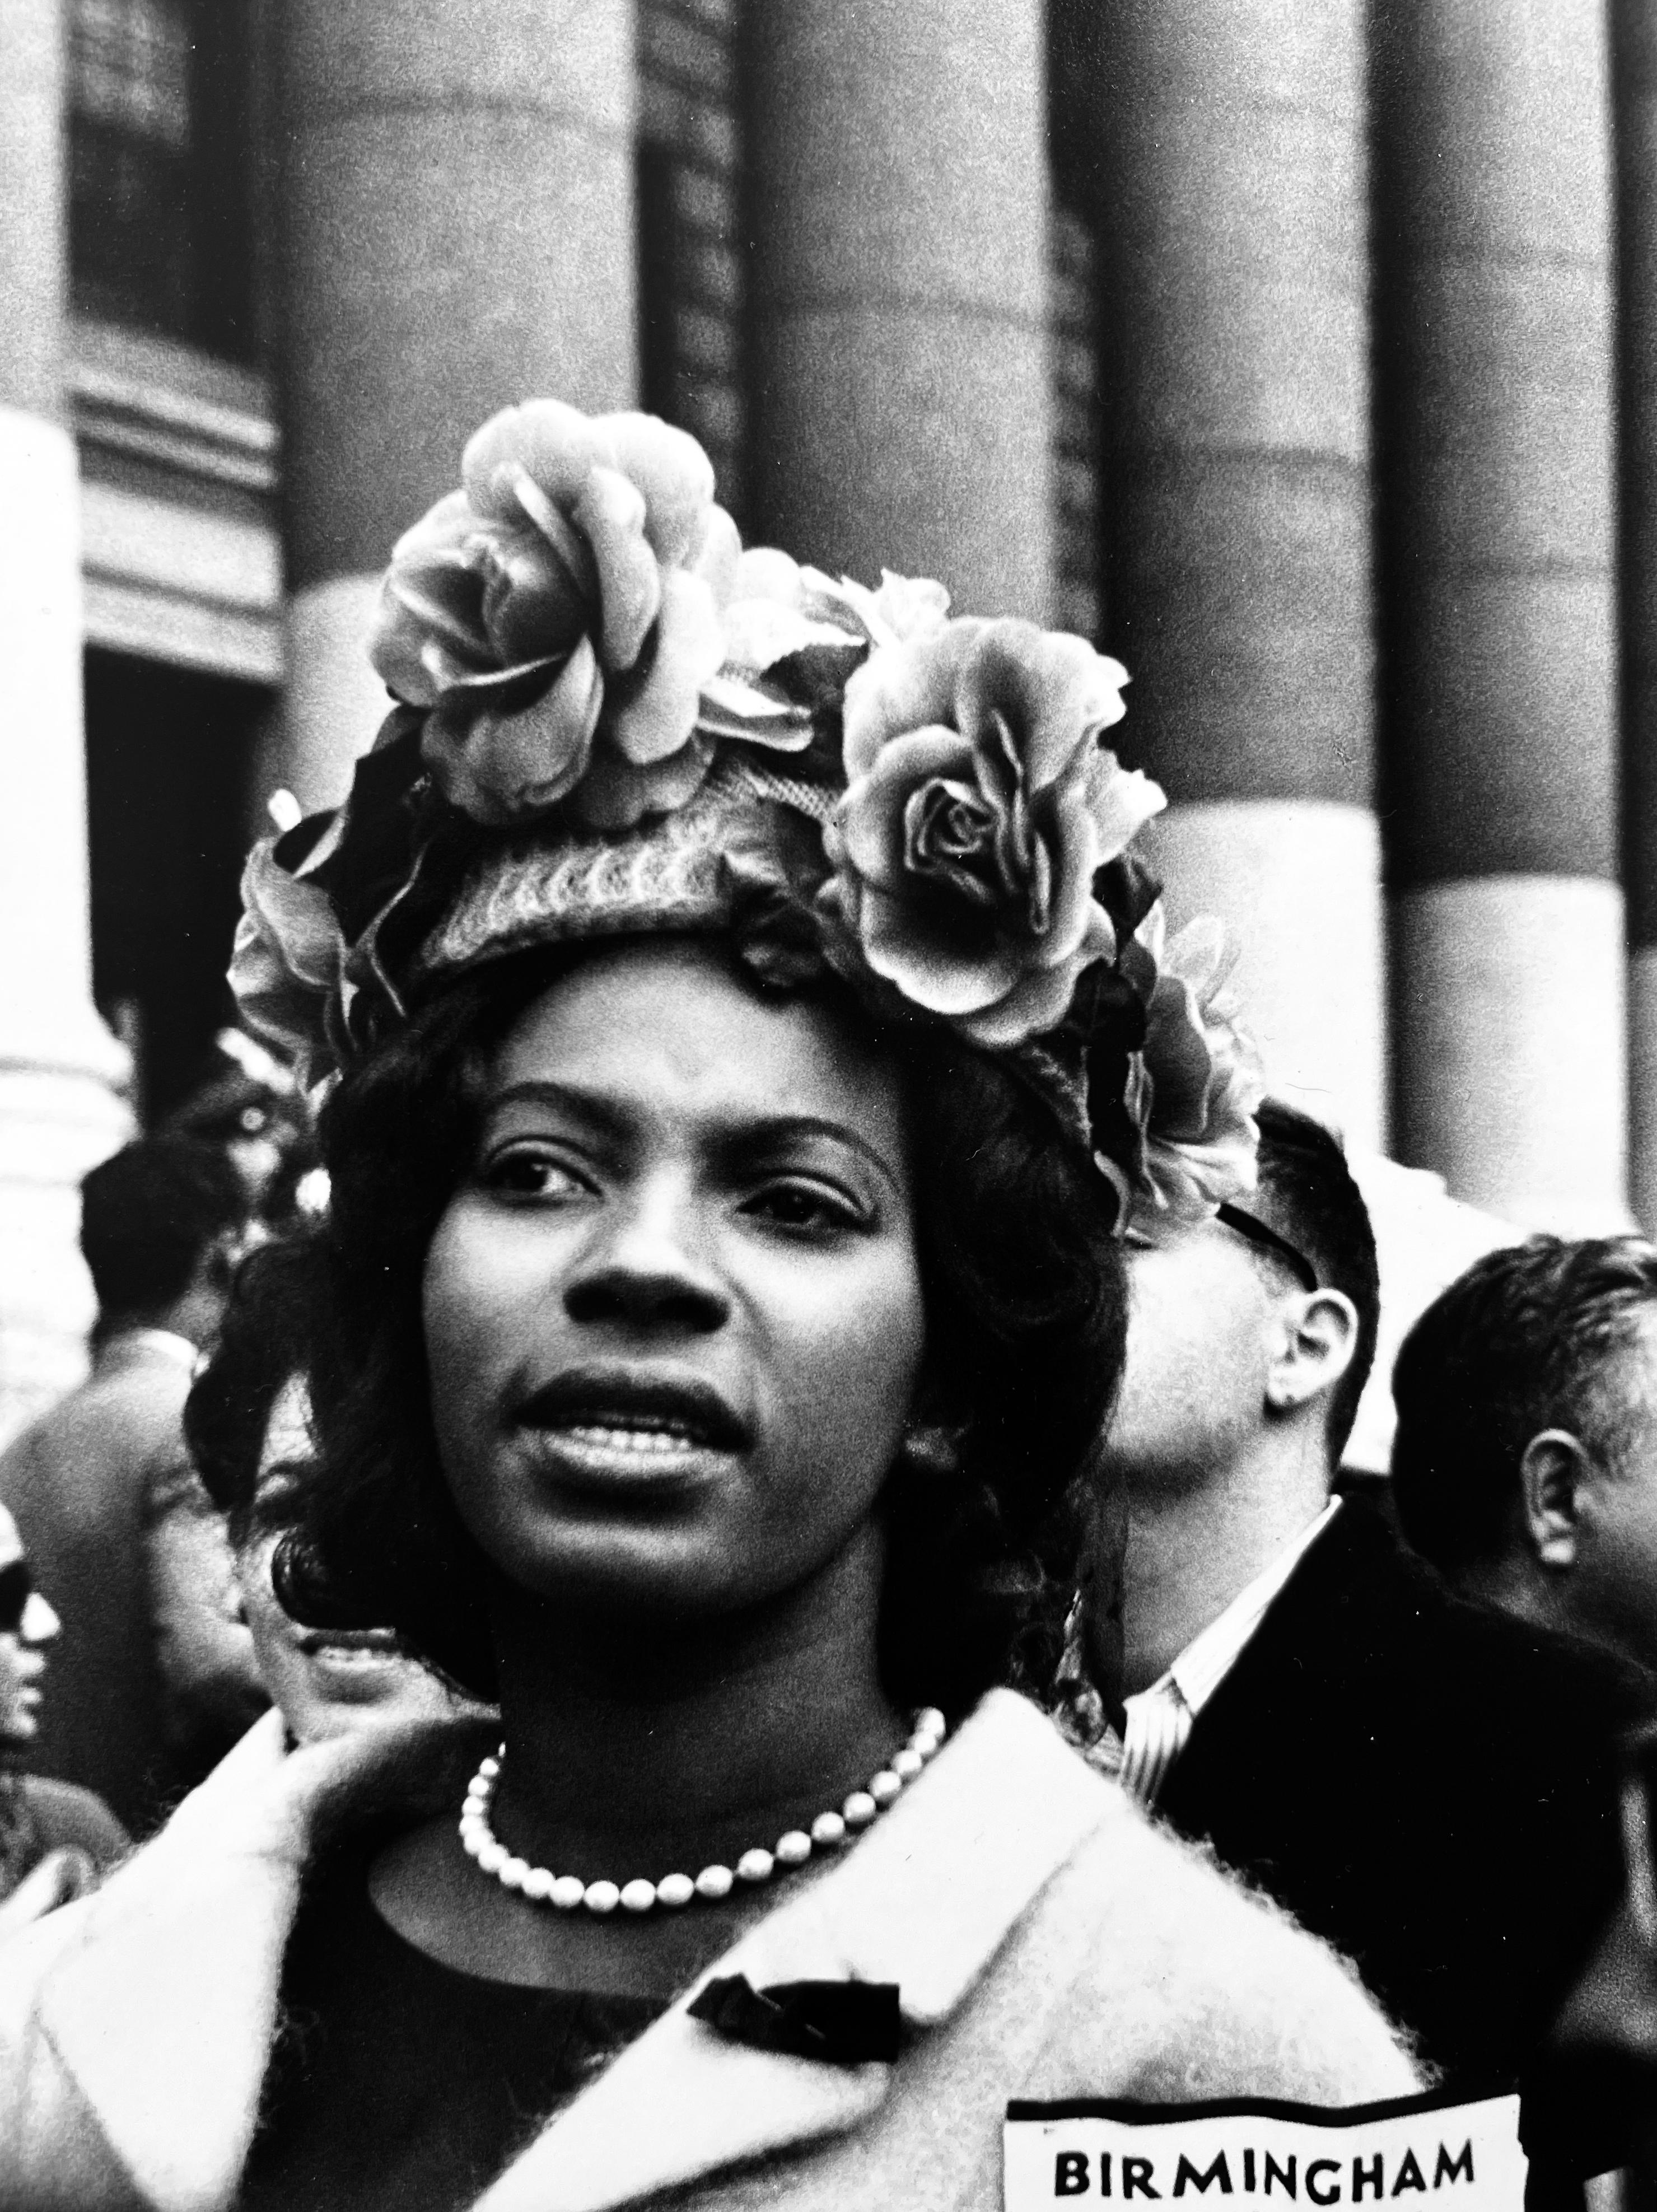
(400, 2085)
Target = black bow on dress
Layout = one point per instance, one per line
(841, 2023)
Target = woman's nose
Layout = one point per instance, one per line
(39, 1623)
(650, 1268)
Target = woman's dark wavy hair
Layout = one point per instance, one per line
(1025, 1309)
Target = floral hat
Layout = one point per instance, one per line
(610, 717)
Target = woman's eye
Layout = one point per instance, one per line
(523, 1173)
(803, 1206)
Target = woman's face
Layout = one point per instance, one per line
(673, 1312)
(28, 1625)
(327, 1682)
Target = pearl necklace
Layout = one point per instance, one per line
(566, 1891)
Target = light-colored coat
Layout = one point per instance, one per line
(1047, 1941)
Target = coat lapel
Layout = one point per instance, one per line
(161, 2008)
(158, 1995)
(925, 1900)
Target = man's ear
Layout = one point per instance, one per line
(1319, 1340)
(1552, 1470)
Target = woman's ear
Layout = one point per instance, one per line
(1553, 1471)
(1318, 1340)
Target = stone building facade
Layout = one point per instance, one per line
(1300, 354)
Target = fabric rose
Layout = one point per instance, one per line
(1197, 1082)
(288, 962)
(558, 615)
(979, 805)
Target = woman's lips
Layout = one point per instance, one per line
(601, 1426)
(625, 1432)
(359, 1674)
(348, 1644)
(609, 1458)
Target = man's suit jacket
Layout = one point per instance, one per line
(1430, 1784)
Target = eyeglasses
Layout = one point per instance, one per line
(16, 1588)
(1246, 1224)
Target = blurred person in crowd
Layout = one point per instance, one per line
(246, 1100)
(710, 1326)
(1524, 1465)
(248, 1428)
(209, 1685)
(162, 1226)
(55, 1840)
(1428, 1785)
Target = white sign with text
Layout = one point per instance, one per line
(1452, 2157)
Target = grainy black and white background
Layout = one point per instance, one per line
(1297, 350)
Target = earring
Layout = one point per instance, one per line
(929, 1448)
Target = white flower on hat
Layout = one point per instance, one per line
(559, 615)
(979, 805)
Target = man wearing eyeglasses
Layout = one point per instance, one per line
(54, 1838)
(1431, 1786)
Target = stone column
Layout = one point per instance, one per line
(898, 166)
(1226, 142)
(457, 208)
(58, 1114)
(1493, 177)
(1635, 76)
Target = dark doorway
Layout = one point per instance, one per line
(168, 763)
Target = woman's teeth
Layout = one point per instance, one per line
(659, 1443)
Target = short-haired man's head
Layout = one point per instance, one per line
(1308, 1195)
(150, 1214)
(1529, 1338)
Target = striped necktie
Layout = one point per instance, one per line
(1159, 1724)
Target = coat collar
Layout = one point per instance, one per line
(925, 1900)
(158, 1995)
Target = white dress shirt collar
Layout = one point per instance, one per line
(1209, 1657)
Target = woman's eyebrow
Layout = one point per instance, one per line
(591, 1106)
(779, 1131)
